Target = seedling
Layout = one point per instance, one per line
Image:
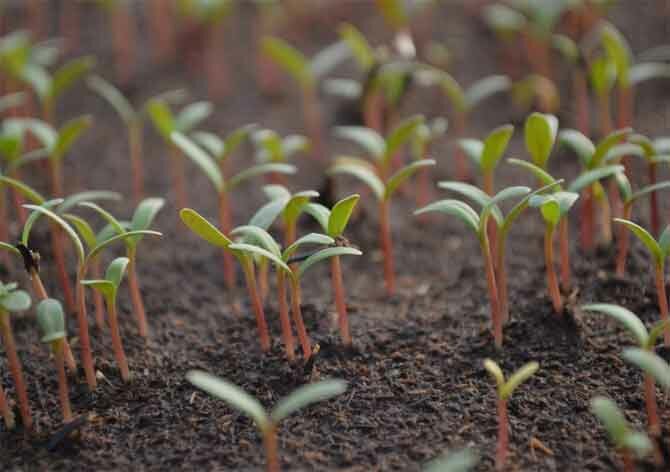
(553, 208)
(460, 461)
(142, 219)
(487, 154)
(272, 148)
(12, 300)
(602, 75)
(307, 74)
(593, 157)
(334, 222)
(478, 223)
(659, 250)
(504, 390)
(83, 263)
(572, 54)
(267, 422)
(424, 138)
(109, 287)
(224, 186)
(51, 320)
(166, 123)
(628, 443)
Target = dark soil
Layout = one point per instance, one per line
(416, 382)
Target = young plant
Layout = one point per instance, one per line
(224, 186)
(334, 222)
(272, 148)
(109, 287)
(51, 320)
(166, 123)
(424, 138)
(487, 154)
(602, 74)
(504, 390)
(553, 208)
(267, 422)
(572, 54)
(628, 443)
(646, 339)
(659, 250)
(464, 460)
(12, 300)
(131, 232)
(478, 223)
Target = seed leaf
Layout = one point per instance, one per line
(161, 117)
(655, 332)
(83, 228)
(328, 59)
(401, 135)
(459, 461)
(111, 219)
(67, 75)
(639, 443)
(647, 239)
(68, 135)
(340, 214)
(290, 59)
(320, 213)
(650, 363)
(296, 204)
(358, 44)
(114, 97)
(623, 185)
(456, 208)
(612, 418)
(34, 216)
(17, 300)
(362, 171)
(51, 320)
(485, 88)
(649, 189)
(540, 174)
(116, 271)
(496, 372)
(517, 378)
(89, 195)
(200, 158)
(590, 177)
(626, 149)
(105, 287)
(473, 148)
(580, 144)
(325, 254)
(192, 115)
(203, 228)
(495, 145)
(260, 169)
(606, 144)
(649, 71)
(307, 395)
(397, 179)
(8, 247)
(540, 135)
(79, 247)
(259, 251)
(256, 235)
(626, 317)
(311, 238)
(119, 237)
(268, 213)
(516, 211)
(371, 141)
(24, 189)
(146, 212)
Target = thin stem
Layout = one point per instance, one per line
(628, 462)
(135, 143)
(297, 319)
(564, 246)
(340, 304)
(581, 93)
(4, 221)
(69, 26)
(123, 38)
(63, 391)
(653, 202)
(662, 300)
(18, 199)
(263, 275)
(503, 435)
(215, 63)
(178, 181)
(98, 301)
(552, 280)
(15, 368)
(136, 294)
(373, 111)
(387, 245)
(250, 277)
(624, 242)
(117, 344)
(84, 339)
(605, 115)
(605, 222)
(651, 405)
(271, 448)
(496, 319)
(225, 220)
(312, 117)
(59, 260)
(287, 334)
(501, 278)
(159, 15)
(6, 411)
(586, 219)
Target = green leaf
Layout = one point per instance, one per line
(602, 73)
(472, 192)
(320, 213)
(566, 200)
(618, 50)
(362, 171)
(87, 196)
(270, 145)
(495, 145)
(8, 247)
(161, 117)
(330, 57)
(206, 164)
(347, 89)
(549, 207)
(105, 287)
(626, 149)
(296, 204)
(567, 47)
(606, 144)
(590, 177)
(516, 211)
(259, 236)
(650, 363)
(231, 394)
(146, 212)
(290, 59)
(203, 228)
(496, 373)
(67, 75)
(664, 241)
(311, 238)
(325, 254)
(268, 213)
(460, 461)
(33, 217)
(639, 443)
(649, 71)
(259, 251)
(455, 208)
(655, 332)
(276, 191)
(397, 179)
(540, 134)
(28, 192)
(646, 238)
(210, 142)
(491, 208)
(293, 144)
(236, 138)
(307, 395)
(649, 189)
(68, 135)
(340, 214)
(485, 88)
(83, 228)
(107, 216)
(192, 115)
(626, 317)
(503, 19)
(540, 174)
(260, 169)
(119, 237)
(51, 320)
(117, 270)
(16, 301)
(580, 144)
(517, 378)
(612, 419)
(79, 247)
(359, 46)
(401, 135)
(114, 97)
(367, 138)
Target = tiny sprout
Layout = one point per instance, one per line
(553, 208)
(487, 154)
(478, 223)
(504, 389)
(651, 363)
(659, 250)
(626, 441)
(460, 461)
(12, 300)
(646, 340)
(109, 287)
(51, 320)
(267, 422)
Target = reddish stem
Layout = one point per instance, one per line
(63, 391)
(178, 180)
(662, 300)
(387, 245)
(564, 230)
(225, 220)
(69, 26)
(460, 125)
(287, 334)
(496, 319)
(271, 449)
(423, 192)
(653, 202)
(162, 30)
(503, 435)
(59, 260)
(98, 301)
(312, 117)
(651, 405)
(297, 319)
(624, 241)
(552, 280)
(628, 462)
(136, 294)
(373, 112)
(15, 368)
(586, 219)
(250, 277)
(84, 339)
(123, 37)
(581, 92)
(605, 115)
(215, 64)
(117, 344)
(6, 411)
(36, 10)
(135, 144)
(340, 304)
(501, 278)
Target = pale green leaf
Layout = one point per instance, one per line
(203, 228)
(540, 135)
(114, 97)
(260, 169)
(495, 145)
(626, 317)
(307, 395)
(72, 234)
(290, 59)
(612, 419)
(485, 88)
(461, 461)
(367, 138)
(203, 160)
(646, 238)
(361, 171)
(455, 208)
(68, 134)
(359, 46)
(16, 301)
(325, 254)
(258, 236)
(259, 251)
(340, 214)
(590, 177)
(397, 179)
(650, 363)
(517, 378)
(192, 115)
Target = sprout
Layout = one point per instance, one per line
(334, 222)
(659, 251)
(12, 300)
(459, 461)
(166, 122)
(109, 287)
(267, 422)
(486, 154)
(273, 149)
(646, 340)
(553, 208)
(602, 74)
(132, 233)
(504, 390)
(224, 185)
(424, 138)
(626, 441)
(270, 250)
(540, 131)
(478, 223)
(51, 320)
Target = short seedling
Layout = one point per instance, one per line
(646, 340)
(487, 154)
(504, 390)
(267, 422)
(271, 148)
(553, 208)
(12, 300)
(109, 287)
(628, 443)
(478, 223)
(51, 320)
(460, 461)
(659, 250)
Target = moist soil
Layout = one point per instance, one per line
(416, 382)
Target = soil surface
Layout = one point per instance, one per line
(417, 386)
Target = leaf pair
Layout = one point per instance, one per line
(486, 154)
(12, 300)
(645, 339)
(109, 286)
(659, 249)
(166, 122)
(554, 206)
(618, 429)
(590, 155)
(505, 388)
(333, 221)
